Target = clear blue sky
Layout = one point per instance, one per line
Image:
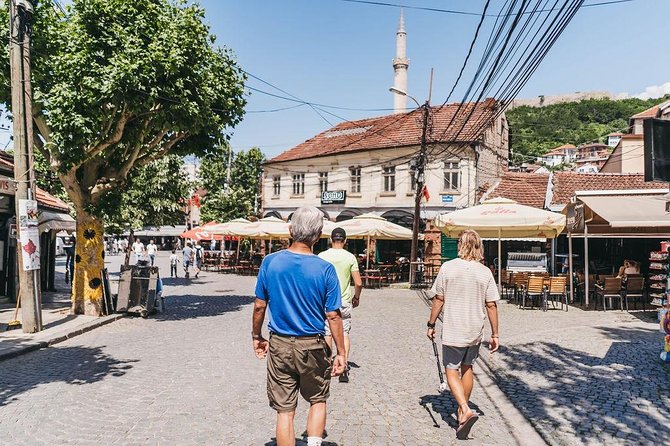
(339, 53)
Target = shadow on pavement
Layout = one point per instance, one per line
(445, 405)
(193, 307)
(627, 387)
(71, 365)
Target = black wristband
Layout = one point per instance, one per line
(429, 325)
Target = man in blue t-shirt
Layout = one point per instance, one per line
(302, 291)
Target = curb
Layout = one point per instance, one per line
(30, 346)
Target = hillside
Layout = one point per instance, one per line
(536, 130)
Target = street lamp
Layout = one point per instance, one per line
(419, 177)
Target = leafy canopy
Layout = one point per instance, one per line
(119, 84)
(240, 198)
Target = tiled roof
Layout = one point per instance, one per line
(633, 136)
(650, 112)
(560, 150)
(396, 130)
(567, 183)
(44, 198)
(529, 189)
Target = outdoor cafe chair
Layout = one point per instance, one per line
(634, 289)
(609, 290)
(592, 288)
(519, 283)
(557, 290)
(534, 290)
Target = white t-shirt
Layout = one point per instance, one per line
(466, 287)
(138, 247)
(152, 249)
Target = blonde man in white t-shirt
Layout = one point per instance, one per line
(468, 292)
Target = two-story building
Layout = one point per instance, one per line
(560, 155)
(589, 158)
(369, 165)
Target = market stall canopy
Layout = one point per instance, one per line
(374, 227)
(57, 221)
(229, 227)
(202, 233)
(629, 211)
(501, 217)
(263, 229)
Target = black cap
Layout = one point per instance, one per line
(338, 234)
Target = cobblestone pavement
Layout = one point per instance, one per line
(586, 377)
(189, 376)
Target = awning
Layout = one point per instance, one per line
(629, 211)
(57, 221)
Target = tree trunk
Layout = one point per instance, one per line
(89, 262)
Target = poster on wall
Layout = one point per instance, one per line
(29, 234)
(30, 248)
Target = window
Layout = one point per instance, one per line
(355, 173)
(323, 181)
(388, 174)
(452, 174)
(276, 185)
(298, 184)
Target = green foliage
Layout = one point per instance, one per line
(536, 130)
(119, 84)
(154, 196)
(223, 204)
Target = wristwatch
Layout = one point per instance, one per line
(429, 325)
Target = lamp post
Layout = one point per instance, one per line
(419, 180)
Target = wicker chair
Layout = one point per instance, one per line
(635, 290)
(557, 291)
(534, 290)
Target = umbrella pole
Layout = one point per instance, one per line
(270, 243)
(572, 280)
(368, 255)
(586, 267)
(239, 242)
(499, 260)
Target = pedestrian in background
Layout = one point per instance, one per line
(138, 249)
(174, 261)
(346, 267)
(302, 291)
(187, 256)
(152, 249)
(468, 292)
(198, 252)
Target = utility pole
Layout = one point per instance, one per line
(20, 28)
(420, 180)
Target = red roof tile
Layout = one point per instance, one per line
(396, 130)
(650, 112)
(529, 189)
(44, 198)
(567, 183)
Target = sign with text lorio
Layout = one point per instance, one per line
(333, 197)
(575, 217)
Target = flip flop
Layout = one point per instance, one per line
(464, 428)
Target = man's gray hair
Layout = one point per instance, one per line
(306, 225)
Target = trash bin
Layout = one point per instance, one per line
(137, 290)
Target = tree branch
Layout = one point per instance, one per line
(148, 158)
(114, 138)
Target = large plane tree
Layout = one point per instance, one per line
(118, 84)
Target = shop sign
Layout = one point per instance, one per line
(334, 197)
(575, 217)
(447, 198)
(6, 186)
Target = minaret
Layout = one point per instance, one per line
(400, 65)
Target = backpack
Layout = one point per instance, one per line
(198, 253)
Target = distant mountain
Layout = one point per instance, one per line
(535, 131)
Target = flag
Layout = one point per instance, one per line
(425, 193)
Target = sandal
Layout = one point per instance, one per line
(466, 425)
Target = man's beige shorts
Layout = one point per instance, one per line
(297, 364)
(346, 311)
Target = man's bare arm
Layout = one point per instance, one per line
(261, 346)
(492, 312)
(334, 319)
(358, 286)
(435, 309)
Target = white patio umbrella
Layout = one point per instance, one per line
(371, 226)
(501, 217)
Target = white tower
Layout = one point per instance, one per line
(400, 65)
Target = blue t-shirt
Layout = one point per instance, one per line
(300, 289)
